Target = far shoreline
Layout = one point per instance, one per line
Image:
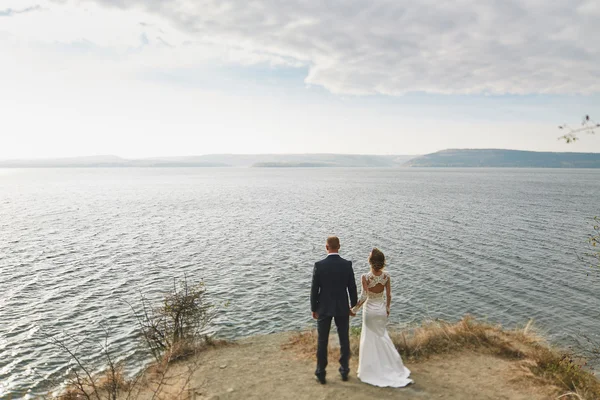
(449, 158)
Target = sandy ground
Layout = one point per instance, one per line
(258, 368)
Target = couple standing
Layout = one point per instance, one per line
(379, 363)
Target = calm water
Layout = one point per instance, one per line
(499, 244)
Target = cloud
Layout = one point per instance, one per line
(9, 12)
(393, 47)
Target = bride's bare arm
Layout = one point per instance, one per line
(388, 291)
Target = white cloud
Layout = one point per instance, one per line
(9, 12)
(393, 47)
(350, 46)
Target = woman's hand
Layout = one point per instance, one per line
(388, 311)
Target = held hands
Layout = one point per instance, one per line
(352, 313)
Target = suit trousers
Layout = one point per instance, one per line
(323, 327)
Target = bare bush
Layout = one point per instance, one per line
(179, 324)
(171, 331)
(82, 382)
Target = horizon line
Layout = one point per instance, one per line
(210, 154)
(52, 158)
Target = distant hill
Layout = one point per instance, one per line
(505, 158)
(106, 162)
(329, 160)
(290, 165)
(219, 160)
(445, 158)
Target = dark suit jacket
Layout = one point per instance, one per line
(332, 282)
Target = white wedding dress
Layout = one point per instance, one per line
(379, 363)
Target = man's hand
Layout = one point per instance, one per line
(315, 315)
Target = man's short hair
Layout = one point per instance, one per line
(333, 242)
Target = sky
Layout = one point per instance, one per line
(144, 78)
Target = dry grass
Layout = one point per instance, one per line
(105, 383)
(564, 371)
(559, 368)
(440, 337)
(547, 365)
(186, 349)
(304, 343)
(117, 380)
(109, 381)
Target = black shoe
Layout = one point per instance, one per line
(344, 376)
(321, 378)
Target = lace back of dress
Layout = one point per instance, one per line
(374, 280)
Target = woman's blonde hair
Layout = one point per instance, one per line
(377, 259)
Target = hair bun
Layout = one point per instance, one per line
(377, 259)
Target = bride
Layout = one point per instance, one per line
(379, 363)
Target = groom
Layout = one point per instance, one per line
(332, 282)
